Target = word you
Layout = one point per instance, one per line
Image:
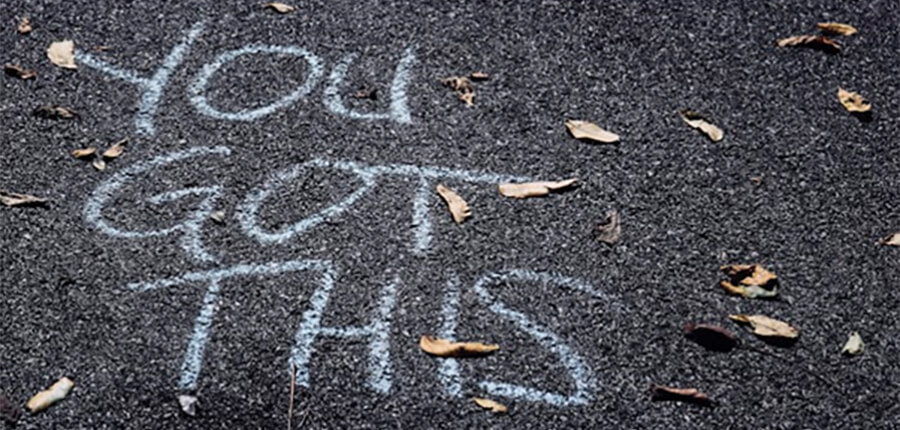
(152, 87)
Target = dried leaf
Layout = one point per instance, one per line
(9, 412)
(62, 54)
(101, 48)
(479, 76)
(446, 348)
(590, 131)
(54, 112)
(458, 207)
(280, 7)
(116, 149)
(99, 164)
(750, 280)
(25, 25)
(19, 72)
(611, 230)
(15, 199)
(699, 122)
(463, 87)
(188, 404)
(366, 93)
(218, 217)
(813, 41)
(711, 337)
(692, 395)
(837, 28)
(534, 189)
(890, 240)
(767, 327)
(854, 345)
(853, 102)
(84, 152)
(495, 407)
(55, 393)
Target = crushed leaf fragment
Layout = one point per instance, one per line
(479, 76)
(25, 25)
(853, 102)
(711, 337)
(767, 327)
(218, 217)
(99, 164)
(62, 54)
(463, 88)
(9, 412)
(692, 395)
(854, 345)
(813, 41)
(188, 404)
(84, 152)
(699, 122)
(494, 407)
(534, 189)
(366, 93)
(280, 7)
(446, 348)
(15, 199)
(458, 207)
(116, 149)
(55, 393)
(890, 240)
(837, 28)
(590, 131)
(610, 231)
(18, 71)
(750, 281)
(54, 112)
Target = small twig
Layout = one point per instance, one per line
(291, 404)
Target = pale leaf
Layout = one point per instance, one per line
(55, 393)
(54, 112)
(16, 199)
(611, 230)
(218, 217)
(25, 25)
(280, 7)
(693, 395)
(99, 164)
(116, 149)
(534, 189)
(479, 76)
(814, 41)
(837, 28)
(590, 131)
(84, 152)
(767, 327)
(890, 240)
(853, 102)
(188, 404)
(458, 207)
(463, 87)
(447, 348)
(495, 407)
(854, 345)
(62, 54)
(699, 122)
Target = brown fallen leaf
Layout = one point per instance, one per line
(463, 87)
(837, 28)
(854, 345)
(711, 337)
(280, 7)
(610, 231)
(25, 25)
(495, 407)
(699, 122)
(116, 149)
(366, 93)
(692, 395)
(813, 41)
(15, 199)
(479, 76)
(9, 412)
(446, 348)
(46, 398)
(534, 189)
(749, 280)
(590, 131)
(54, 112)
(853, 102)
(18, 71)
(62, 54)
(84, 152)
(99, 164)
(890, 240)
(458, 207)
(767, 327)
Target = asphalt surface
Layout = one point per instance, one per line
(829, 188)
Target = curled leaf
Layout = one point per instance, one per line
(813, 41)
(837, 28)
(99, 164)
(699, 122)
(55, 393)
(25, 25)
(767, 327)
(54, 112)
(280, 7)
(116, 149)
(534, 189)
(62, 54)
(750, 280)
(463, 88)
(853, 102)
(691, 395)
(458, 207)
(15, 199)
(610, 231)
(711, 337)
(446, 348)
(854, 345)
(590, 131)
(495, 407)
(18, 71)
(84, 152)
(890, 240)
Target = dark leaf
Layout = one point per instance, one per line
(54, 112)
(711, 337)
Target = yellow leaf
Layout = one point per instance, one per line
(62, 54)
(854, 345)
(767, 327)
(280, 7)
(853, 102)
(495, 407)
(813, 41)
(697, 121)
(15, 199)
(837, 28)
(458, 207)
(446, 348)
(534, 189)
(891, 240)
(84, 152)
(55, 393)
(116, 149)
(590, 131)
